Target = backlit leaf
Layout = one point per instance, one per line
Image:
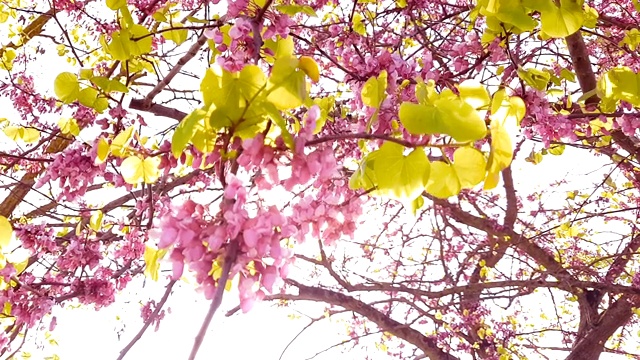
(6, 232)
(474, 94)
(135, 170)
(374, 90)
(310, 67)
(95, 222)
(500, 156)
(286, 85)
(447, 116)
(560, 21)
(121, 142)
(443, 181)
(19, 133)
(152, 257)
(470, 166)
(103, 151)
(69, 126)
(399, 176)
(184, 132)
(66, 87)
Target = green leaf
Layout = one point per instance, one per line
(560, 21)
(88, 97)
(102, 151)
(505, 108)
(66, 87)
(6, 62)
(511, 12)
(286, 85)
(568, 75)
(398, 176)
(358, 24)
(107, 85)
(292, 10)
(280, 48)
(374, 90)
(310, 67)
(119, 47)
(129, 42)
(223, 93)
(251, 81)
(447, 116)
(556, 149)
(144, 41)
(468, 170)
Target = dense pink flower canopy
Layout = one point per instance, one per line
(377, 157)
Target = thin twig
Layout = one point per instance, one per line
(150, 320)
(229, 259)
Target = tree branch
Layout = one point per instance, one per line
(149, 321)
(402, 331)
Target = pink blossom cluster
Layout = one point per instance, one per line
(540, 120)
(147, 310)
(75, 171)
(26, 100)
(37, 238)
(199, 243)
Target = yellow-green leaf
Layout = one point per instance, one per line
(116, 4)
(6, 232)
(66, 87)
(95, 222)
(6, 62)
(449, 116)
(374, 90)
(474, 94)
(443, 181)
(152, 257)
(69, 126)
(505, 108)
(561, 21)
(121, 142)
(470, 166)
(310, 67)
(27, 135)
(398, 176)
(177, 35)
(500, 156)
(286, 85)
(185, 131)
(535, 78)
(358, 24)
(620, 83)
(135, 170)
(102, 151)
